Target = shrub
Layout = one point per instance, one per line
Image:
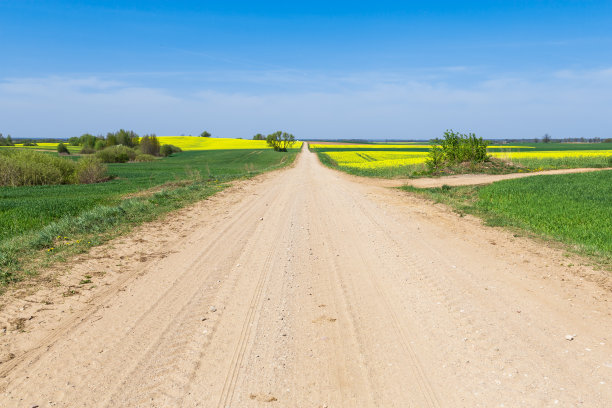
(87, 150)
(90, 170)
(30, 168)
(457, 148)
(62, 149)
(435, 158)
(116, 154)
(144, 158)
(168, 149)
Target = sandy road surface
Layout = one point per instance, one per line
(306, 289)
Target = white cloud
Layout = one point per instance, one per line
(366, 105)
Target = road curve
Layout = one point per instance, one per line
(308, 289)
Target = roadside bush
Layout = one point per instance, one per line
(168, 149)
(30, 168)
(90, 170)
(457, 148)
(116, 154)
(435, 159)
(144, 158)
(62, 149)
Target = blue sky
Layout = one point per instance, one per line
(317, 69)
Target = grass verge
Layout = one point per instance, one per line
(46, 224)
(574, 209)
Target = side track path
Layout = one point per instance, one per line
(465, 179)
(308, 289)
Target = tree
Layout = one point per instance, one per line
(546, 138)
(9, 140)
(111, 139)
(280, 141)
(149, 144)
(205, 134)
(87, 140)
(259, 136)
(100, 144)
(126, 137)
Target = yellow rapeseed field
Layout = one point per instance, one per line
(196, 143)
(209, 143)
(397, 146)
(377, 159)
(368, 146)
(367, 157)
(560, 154)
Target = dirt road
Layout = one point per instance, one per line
(307, 289)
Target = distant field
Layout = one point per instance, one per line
(403, 160)
(572, 208)
(31, 216)
(52, 147)
(187, 143)
(210, 143)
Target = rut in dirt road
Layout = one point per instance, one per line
(313, 290)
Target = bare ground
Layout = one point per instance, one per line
(305, 288)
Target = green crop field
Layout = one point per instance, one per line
(31, 218)
(572, 208)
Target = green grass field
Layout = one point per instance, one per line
(574, 208)
(32, 217)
